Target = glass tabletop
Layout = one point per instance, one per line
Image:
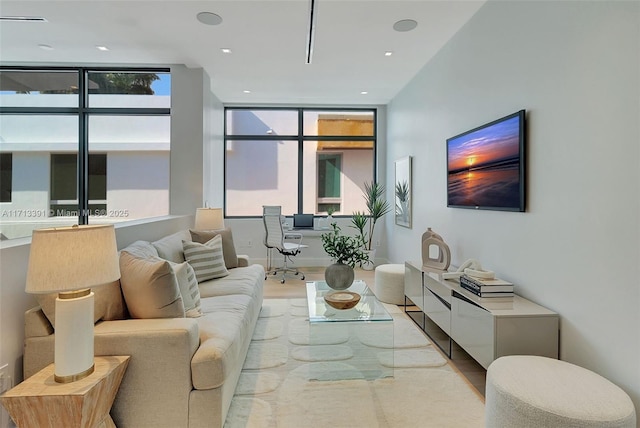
(368, 308)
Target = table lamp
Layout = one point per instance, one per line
(69, 261)
(209, 219)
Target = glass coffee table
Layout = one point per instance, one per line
(362, 336)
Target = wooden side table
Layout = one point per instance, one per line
(41, 402)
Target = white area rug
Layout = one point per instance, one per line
(276, 387)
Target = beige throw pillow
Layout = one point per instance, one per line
(188, 288)
(207, 259)
(108, 303)
(228, 247)
(150, 287)
(170, 247)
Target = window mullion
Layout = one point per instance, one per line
(83, 151)
(300, 161)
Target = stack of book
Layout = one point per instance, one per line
(486, 287)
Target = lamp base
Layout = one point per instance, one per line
(75, 377)
(73, 359)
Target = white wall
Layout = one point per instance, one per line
(213, 161)
(187, 138)
(574, 66)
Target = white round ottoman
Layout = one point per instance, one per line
(389, 283)
(537, 392)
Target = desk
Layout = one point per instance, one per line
(40, 401)
(306, 233)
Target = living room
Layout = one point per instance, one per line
(575, 68)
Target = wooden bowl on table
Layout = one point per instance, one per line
(342, 299)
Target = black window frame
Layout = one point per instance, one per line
(83, 112)
(6, 176)
(301, 138)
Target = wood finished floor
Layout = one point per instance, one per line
(294, 287)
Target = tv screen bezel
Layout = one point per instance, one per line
(521, 114)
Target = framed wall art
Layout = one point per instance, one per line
(402, 189)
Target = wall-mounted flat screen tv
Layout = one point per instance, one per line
(486, 166)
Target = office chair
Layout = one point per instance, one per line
(275, 239)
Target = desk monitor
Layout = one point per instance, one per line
(303, 221)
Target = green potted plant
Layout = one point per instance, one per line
(365, 222)
(347, 252)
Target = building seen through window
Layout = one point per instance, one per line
(305, 160)
(118, 120)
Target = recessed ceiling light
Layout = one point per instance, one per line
(225, 50)
(246, 91)
(45, 47)
(364, 93)
(209, 18)
(102, 48)
(388, 53)
(405, 25)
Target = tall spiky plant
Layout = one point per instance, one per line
(377, 206)
(359, 221)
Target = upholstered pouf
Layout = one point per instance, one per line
(536, 392)
(389, 283)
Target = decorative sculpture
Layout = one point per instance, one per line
(443, 259)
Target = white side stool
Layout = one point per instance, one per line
(389, 283)
(538, 392)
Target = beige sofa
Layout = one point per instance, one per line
(183, 370)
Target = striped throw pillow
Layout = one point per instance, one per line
(188, 288)
(206, 259)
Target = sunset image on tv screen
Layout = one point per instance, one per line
(483, 166)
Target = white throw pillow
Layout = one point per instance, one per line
(207, 260)
(188, 288)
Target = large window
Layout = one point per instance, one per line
(86, 146)
(306, 160)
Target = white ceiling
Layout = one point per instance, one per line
(268, 40)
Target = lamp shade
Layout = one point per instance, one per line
(72, 258)
(209, 219)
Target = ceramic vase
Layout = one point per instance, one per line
(443, 257)
(339, 276)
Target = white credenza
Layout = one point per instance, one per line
(486, 329)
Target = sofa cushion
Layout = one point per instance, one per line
(225, 332)
(206, 259)
(150, 287)
(189, 290)
(243, 280)
(228, 247)
(170, 247)
(108, 303)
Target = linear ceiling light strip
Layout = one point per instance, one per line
(22, 19)
(311, 30)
